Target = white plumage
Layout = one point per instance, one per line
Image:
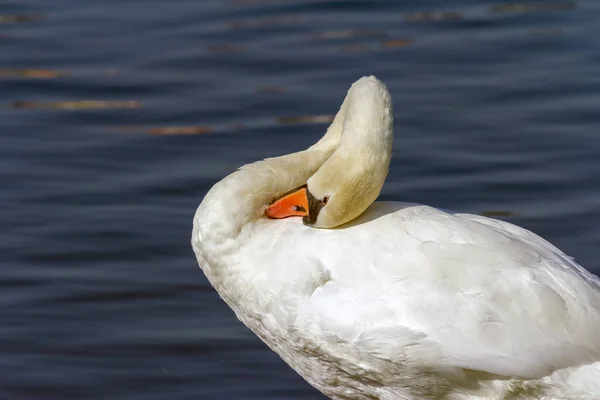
(405, 301)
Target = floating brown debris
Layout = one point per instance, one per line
(224, 48)
(270, 89)
(521, 8)
(203, 129)
(31, 73)
(386, 44)
(112, 71)
(498, 213)
(254, 2)
(263, 22)
(76, 104)
(433, 16)
(396, 43)
(315, 119)
(356, 48)
(180, 130)
(19, 18)
(347, 34)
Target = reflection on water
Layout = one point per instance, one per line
(31, 73)
(433, 16)
(270, 89)
(18, 18)
(117, 117)
(523, 7)
(179, 130)
(396, 43)
(347, 34)
(190, 130)
(76, 104)
(316, 119)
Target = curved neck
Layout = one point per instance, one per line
(230, 209)
(241, 198)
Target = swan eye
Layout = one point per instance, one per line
(325, 200)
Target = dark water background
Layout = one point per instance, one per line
(117, 116)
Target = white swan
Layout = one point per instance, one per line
(399, 301)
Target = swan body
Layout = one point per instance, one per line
(394, 300)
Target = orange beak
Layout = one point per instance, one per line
(291, 204)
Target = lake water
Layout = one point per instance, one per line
(117, 116)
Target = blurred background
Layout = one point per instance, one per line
(116, 117)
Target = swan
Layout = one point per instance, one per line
(387, 300)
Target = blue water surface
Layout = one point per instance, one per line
(117, 116)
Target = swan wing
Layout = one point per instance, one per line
(416, 284)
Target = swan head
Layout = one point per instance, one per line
(352, 177)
